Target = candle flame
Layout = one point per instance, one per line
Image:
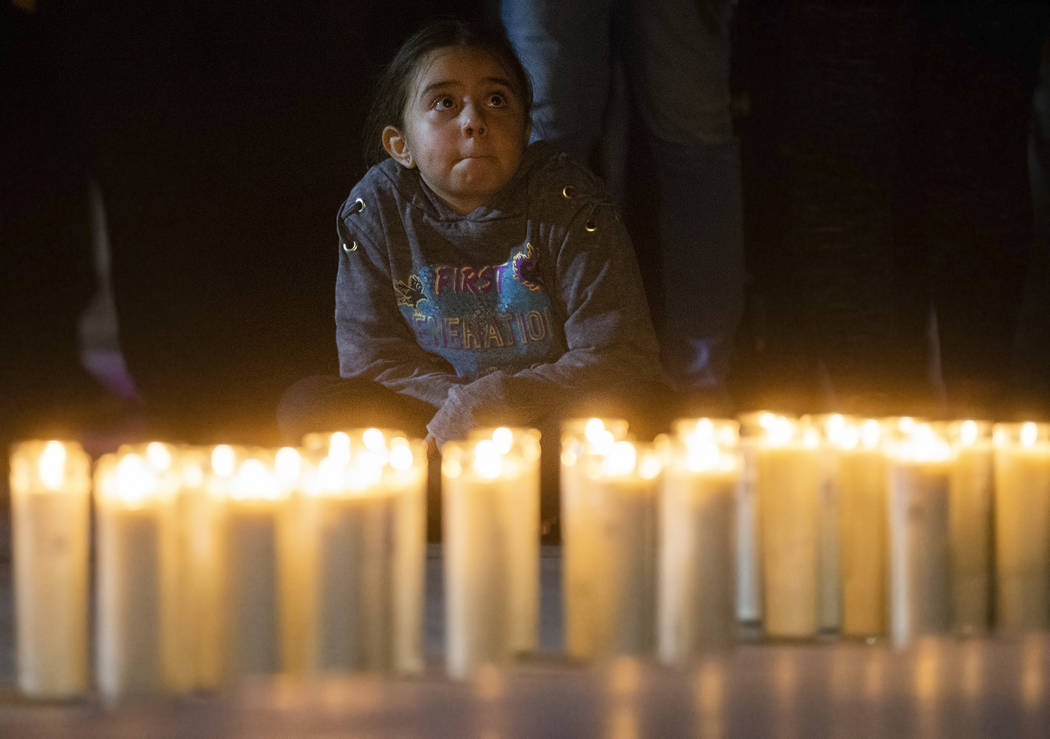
(968, 433)
(158, 455)
(288, 464)
(488, 461)
(52, 465)
(400, 455)
(223, 460)
(621, 459)
(1029, 434)
(373, 440)
(870, 433)
(504, 439)
(134, 480)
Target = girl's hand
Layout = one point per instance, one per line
(432, 446)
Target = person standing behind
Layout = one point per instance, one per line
(676, 55)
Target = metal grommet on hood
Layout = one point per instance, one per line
(357, 207)
(350, 249)
(590, 226)
(568, 192)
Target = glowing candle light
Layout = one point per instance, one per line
(970, 524)
(696, 608)
(50, 503)
(861, 479)
(365, 538)
(919, 550)
(137, 647)
(1022, 526)
(524, 574)
(748, 581)
(254, 504)
(484, 503)
(788, 485)
(613, 603)
(581, 440)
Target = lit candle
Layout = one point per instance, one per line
(482, 506)
(696, 608)
(919, 549)
(970, 524)
(833, 427)
(50, 503)
(367, 528)
(136, 648)
(524, 574)
(255, 503)
(861, 479)
(788, 490)
(581, 440)
(748, 579)
(1022, 526)
(615, 601)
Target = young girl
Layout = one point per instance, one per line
(481, 281)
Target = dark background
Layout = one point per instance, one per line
(884, 159)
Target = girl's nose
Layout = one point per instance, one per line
(473, 120)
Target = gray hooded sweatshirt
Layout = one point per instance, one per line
(497, 317)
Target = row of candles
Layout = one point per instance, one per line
(211, 563)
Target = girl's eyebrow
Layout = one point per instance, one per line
(433, 86)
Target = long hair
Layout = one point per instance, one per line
(394, 84)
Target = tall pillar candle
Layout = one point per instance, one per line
(695, 604)
(524, 444)
(615, 601)
(368, 518)
(582, 440)
(1022, 526)
(919, 541)
(788, 483)
(748, 570)
(833, 427)
(861, 475)
(136, 647)
(254, 505)
(50, 504)
(970, 524)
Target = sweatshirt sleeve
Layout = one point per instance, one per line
(372, 338)
(608, 333)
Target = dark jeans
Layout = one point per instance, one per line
(329, 403)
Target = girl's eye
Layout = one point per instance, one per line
(497, 100)
(445, 102)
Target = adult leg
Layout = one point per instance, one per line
(564, 45)
(678, 60)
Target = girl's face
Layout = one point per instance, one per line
(465, 127)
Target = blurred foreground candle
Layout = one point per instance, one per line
(50, 503)
(136, 648)
(582, 440)
(696, 608)
(748, 578)
(615, 600)
(366, 515)
(1022, 526)
(970, 523)
(788, 483)
(524, 444)
(255, 503)
(485, 496)
(919, 550)
(861, 479)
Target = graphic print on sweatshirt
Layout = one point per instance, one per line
(480, 317)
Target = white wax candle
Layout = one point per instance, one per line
(368, 526)
(789, 473)
(919, 542)
(1022, 526)
(50, 486)
(581, 545)
(696, 605)
(970, 524)
(524, 574)
(479, 513)
(254, 506)
(861, 479)
(615, 601)
(136, 648)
